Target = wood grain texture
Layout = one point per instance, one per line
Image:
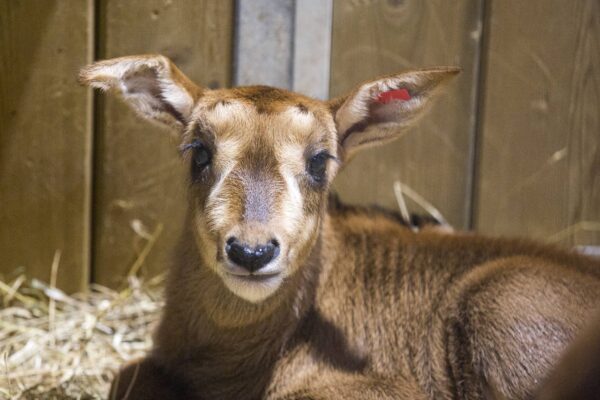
(372, 38)
(45, 139)
(540, 155)
(139, 175)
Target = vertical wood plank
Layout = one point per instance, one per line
(312, 47)
(540, 154)
(264, 43)
(140, 180)
(373, 38)
(284, 44)
(45, 139)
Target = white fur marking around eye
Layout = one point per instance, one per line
(216, 206)
(298, 117)
(224, 111)
(229, 150)
(290, 154)
(305, 234)
(292, 203)
(208, 252)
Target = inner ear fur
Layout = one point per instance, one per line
(378, 111)
(151, 84)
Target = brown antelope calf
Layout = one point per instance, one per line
(280, 292)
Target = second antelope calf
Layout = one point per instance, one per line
(278, 291)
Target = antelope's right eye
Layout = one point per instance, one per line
(317, 166)
(201, 156)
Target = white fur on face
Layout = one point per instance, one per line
(208, 251)
(229, 149)
(254, 292)
(304, 235)
(217, 207)
(226, 112)
(298, 118)
(292, 202)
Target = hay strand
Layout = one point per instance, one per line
(402, 189)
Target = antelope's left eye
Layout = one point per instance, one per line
(201, 157)
(317, 166)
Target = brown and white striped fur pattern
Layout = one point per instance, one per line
(352, 304)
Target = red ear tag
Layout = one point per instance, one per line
(391, 95)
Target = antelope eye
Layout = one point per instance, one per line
(317, 166)
(202, 156)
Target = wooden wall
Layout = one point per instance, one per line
(540, 135)
(434, 158)
(513, 148)
(45, 139)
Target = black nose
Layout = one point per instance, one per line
(251, 258)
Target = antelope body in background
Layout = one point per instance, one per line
(278, 291)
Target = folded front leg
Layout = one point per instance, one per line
(144, 379)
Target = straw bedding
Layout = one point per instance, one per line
(56, 346)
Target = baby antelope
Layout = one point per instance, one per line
(278, 291)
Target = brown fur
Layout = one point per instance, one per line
(577, 374)
(364, 307)
(440, 315)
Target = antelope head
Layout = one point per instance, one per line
(261, 159)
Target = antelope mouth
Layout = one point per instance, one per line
(253, 287)
(254, 277)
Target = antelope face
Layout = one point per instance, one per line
(261, 159)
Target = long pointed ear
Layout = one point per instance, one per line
(378, 111)
(151, 84)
